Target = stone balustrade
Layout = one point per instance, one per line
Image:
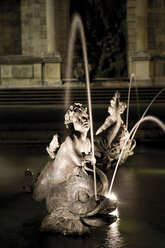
(27, 71)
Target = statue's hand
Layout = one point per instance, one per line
(89, 158)
(53, 147)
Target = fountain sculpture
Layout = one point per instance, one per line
(66, 182)
(74, 183)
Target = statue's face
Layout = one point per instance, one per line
(77, 115)
(81, 122)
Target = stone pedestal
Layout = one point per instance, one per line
(142, 66)
(52, 69)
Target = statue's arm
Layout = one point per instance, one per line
(51, 149)
(81, 158)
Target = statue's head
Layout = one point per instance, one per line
(77, 117)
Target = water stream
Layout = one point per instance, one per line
(128, 100)
(147, 118)
(153, 100)
(77, 26)
(132, 78)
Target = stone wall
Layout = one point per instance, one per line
(63, 21)
(29, 71)
(146, 40)
(131, 32)
(39, 26)
(156, 37)
(33, 25)
(36, 31)
(10, 27)
(156, 27)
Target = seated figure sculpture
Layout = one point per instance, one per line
(66, 183)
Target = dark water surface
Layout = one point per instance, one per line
(139, 186)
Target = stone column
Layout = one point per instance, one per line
(50, 20)
(141, 25)
(141, 59)
(52, 60)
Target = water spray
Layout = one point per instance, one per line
(128, 100)
(147, 118)
(78, 26)
(153, 100)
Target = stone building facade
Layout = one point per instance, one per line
(34, 37)
(33, 43)
(146, 40)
